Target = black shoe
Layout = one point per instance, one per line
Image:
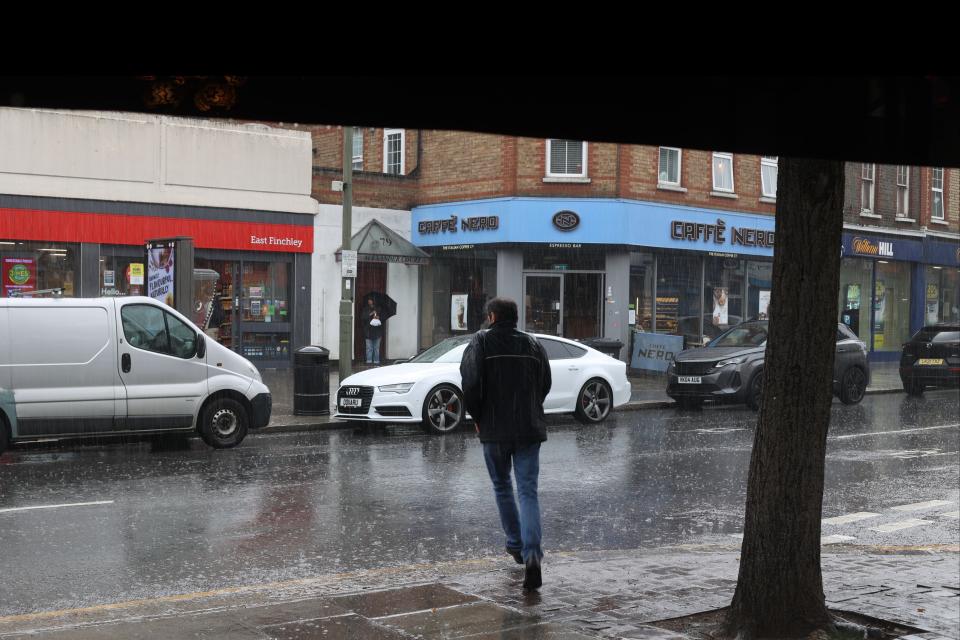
(516, 555)
(532, 578)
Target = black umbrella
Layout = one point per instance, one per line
(388, 306)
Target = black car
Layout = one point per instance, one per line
(931, 359)
(730, 368)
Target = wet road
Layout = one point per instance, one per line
(178, 518)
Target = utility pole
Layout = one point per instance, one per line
(346, 287)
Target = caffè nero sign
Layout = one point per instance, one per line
(719, 234)
(450, 225)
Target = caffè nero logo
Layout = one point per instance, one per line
(566, 220)
(866, 247)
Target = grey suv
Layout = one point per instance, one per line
(730, 368)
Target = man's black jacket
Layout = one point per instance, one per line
(506, 377)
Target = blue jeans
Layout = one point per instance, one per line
(373, 350)
(522, 527)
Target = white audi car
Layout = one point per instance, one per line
(426, 389)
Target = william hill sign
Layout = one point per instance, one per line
(868, 247)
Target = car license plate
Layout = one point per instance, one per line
(350, 402)
(930, 361)
(689, 380)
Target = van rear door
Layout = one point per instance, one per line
(165, 380)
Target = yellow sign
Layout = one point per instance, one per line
(932, 292)
(136, 273)
(878, 341)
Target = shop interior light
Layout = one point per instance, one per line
(937, 268)
(8, 243)
(883, 262)
(53, 250)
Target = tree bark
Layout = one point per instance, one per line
(780, 587)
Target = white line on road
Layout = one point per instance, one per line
(952, 514)
(836, 539)
(917, 506)
(884, 433)
(850, 517)
(899, 526)
(56, 506)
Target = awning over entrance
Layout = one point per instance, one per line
(375, 242)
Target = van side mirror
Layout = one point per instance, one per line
(201, 345)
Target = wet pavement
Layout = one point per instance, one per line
(158, 518)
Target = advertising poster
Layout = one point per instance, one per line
(160, 270)
(654, 351)
(108, 279)
(19, 275)
(135, 273)
(933, 303)
(764, 311)
(458, 312)
(879, 306)
(721, 316)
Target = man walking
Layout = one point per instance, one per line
(506, 377)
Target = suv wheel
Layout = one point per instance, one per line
(755, 395)
(853, 386)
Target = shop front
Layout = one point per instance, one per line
(890, 286)
(583, 268)
(255, 265)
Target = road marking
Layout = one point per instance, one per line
(56, 506)
(836, 539)
(899, 526)
(850, 517)
(917, 506)
(952, 514)
(883, 433)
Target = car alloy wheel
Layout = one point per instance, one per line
(444, 409)
(595, 401)
(854, 386)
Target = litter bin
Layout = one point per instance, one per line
(311, 381)
(609, 346)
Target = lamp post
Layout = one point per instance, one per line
(346, 290)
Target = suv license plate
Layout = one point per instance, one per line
(689, 380)
(351, 402)
(930, 361)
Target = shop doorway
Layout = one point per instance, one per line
(568, 304)
(371, 276)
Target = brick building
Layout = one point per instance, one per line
(599, 239)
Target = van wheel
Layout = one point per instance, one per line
(224, 423)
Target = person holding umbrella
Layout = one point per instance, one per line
(379, 307)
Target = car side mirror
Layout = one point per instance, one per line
(201, 345)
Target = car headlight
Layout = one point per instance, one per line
(724, 363)
(403, 387)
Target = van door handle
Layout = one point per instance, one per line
(572, 368)
(125, 362)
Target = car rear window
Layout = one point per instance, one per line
(934, 334)
(947, 336)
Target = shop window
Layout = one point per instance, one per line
(679, 298)
(891, 305)
(866, 188)
(903, 191)
(566, 158)
(768, 176)
(669, 171)
(723, 295)
(266, 292)
(856, 276)
(942, 300)
(122, 271)
(358, 149)
(393, 151)
(453, 294)
(759, 284)
(30, 267)
(936, 187)
(723, 172)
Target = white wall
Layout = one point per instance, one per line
(402, 281)
(147, 158)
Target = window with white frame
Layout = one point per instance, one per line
(903, 191)
(669, 171)
(393, 151)
(866, 188)
(936, 186)
(566, 158)
(768, 176)
(723, 172)
(357, 149)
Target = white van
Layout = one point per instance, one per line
(107, 366)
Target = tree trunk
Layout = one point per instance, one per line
(780, 586)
